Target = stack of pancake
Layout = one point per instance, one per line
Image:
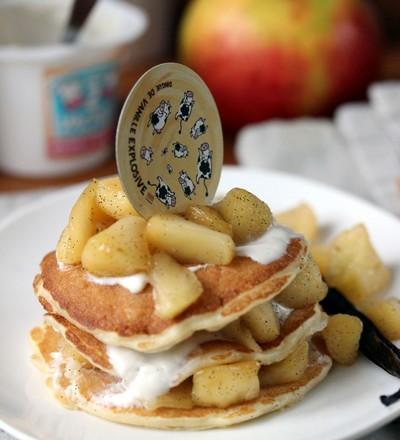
(104, 350)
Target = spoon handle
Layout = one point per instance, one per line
(80, 11)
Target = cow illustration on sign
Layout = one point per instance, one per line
(146, 153)
(187, 184)
(199, 128)
(185, 108)
(180, 151)
(164, 193)
(158, 117)
(204, 165)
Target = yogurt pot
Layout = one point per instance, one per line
(58, 101)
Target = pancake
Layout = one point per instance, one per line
(78, 385)
(115, 316)
(299, 325)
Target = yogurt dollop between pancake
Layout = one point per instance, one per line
(116, 316)
(77, 385)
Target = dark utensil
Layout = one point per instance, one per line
(80, 12)
(372, 343)
(392, 398)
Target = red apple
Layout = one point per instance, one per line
(280, 58)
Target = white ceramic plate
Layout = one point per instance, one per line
(346, 405)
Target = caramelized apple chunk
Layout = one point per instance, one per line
(111, 198)
(175, 286)
(301, 219)
(189, 242)
(262, 322)
(82, 224)
(385, 314)
(225, 385)
(209, 217)
(119, 250)
(238, 331)
(354, 267)
(249, 216)
(306, 289)
(320, 254)
(342, 338)
(288, 370)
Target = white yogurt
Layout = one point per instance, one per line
(197, 267)
(134, 283)
(145, 376)
(63, 267)
(269, 247)
(281, 311)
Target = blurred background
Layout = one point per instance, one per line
(303, 86)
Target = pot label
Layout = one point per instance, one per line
(169, 145)
(81, 109)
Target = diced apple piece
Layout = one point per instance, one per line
(262, 323)
(209, 217)
(301, 219)
(288, 370)
(249, 216)
(189, 242)
(225, 385)
(306, 289)
(320, 254)
(112, 199)
(178, 397)
(354, 267)
(385, 314)
(119, 250)
(81, 226)
(101, 219)
(342, 338)
(175, 286)
(238, 332)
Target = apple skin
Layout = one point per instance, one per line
(263, 59)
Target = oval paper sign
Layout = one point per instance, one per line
(169, 145)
